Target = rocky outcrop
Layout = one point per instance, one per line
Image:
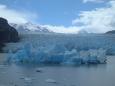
(7, 33)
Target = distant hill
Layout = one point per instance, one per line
(111, 32)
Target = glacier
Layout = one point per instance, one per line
(57, 55)
(63, 49)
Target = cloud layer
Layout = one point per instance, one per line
(63, 29)
(99, 20)
(14, 16)
(96, 1)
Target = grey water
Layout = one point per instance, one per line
(84, 75)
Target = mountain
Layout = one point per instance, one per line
(111, 32)
(7, 33)
(29, 27)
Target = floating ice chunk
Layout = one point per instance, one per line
(39, 70)
(51, 81)
(27, 79)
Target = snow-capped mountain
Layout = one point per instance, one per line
(29, 27)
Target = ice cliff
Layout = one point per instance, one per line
(60, 49)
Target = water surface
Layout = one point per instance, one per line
(90, 75)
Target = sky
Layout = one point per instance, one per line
(65, 16)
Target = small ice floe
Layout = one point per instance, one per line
(39, 70)
(26, 79)
(51, 81)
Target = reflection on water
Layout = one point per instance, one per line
(90, 75)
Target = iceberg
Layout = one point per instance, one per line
(51, 81)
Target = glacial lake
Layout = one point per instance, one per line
(90, 75)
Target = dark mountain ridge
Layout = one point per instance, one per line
(7, 33)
